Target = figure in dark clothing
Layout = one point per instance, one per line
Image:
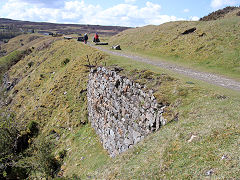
(96, 38)
(85, 37)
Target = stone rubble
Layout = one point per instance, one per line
(121, 113)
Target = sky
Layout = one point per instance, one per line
(133, 13)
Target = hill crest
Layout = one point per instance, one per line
(221, 13)
(61, 28)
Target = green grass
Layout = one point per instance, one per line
(215, 51)
(49, 94)
(7, 61)
(208, 112)
(85, 155)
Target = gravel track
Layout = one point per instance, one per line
(204, 76)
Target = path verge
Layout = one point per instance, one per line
(203, 76)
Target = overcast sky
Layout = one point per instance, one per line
(110, 12)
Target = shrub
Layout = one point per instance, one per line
(43, 160)
(41, 76)
(30, 64)
(147, 74)
(62, 154)
(9, 132)
(16, 161)
(33, 128)
(65, 61)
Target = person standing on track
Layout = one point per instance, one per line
(96, 38)
(85, 37)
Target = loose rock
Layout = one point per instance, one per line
(121, 116)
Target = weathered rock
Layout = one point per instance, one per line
(120, 111)
(136, 136)
(117, 47)
(188, 31)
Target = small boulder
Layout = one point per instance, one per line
(188, 31)
(117, 47)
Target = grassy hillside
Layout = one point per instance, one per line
(213, 46)
(24, 42)
(202, 135)
(203, 143)
(51, 91)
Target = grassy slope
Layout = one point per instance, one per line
(217, 50)
(49, 93)
(15, 49)
(204, 111)
(7, 61)
(23, 42)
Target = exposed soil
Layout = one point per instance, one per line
(204, 76)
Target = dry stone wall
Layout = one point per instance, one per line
(121, 113)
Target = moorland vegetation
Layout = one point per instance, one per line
(44, 128)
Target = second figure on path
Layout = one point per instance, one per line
(85, 37)
(96, 38)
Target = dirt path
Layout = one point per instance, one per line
(204, 76)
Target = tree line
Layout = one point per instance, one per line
(8, 35)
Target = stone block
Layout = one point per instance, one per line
(128, 142)
(120, 111)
